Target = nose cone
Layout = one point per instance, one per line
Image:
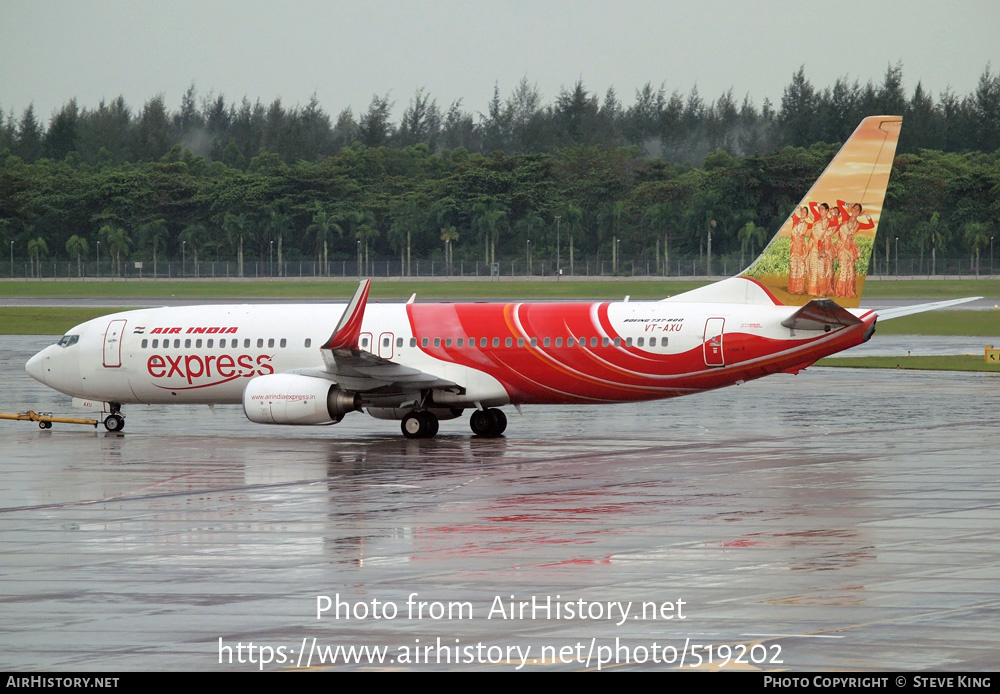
(35, 366)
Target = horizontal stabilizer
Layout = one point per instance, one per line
(348, 330)
(820, 314)
(889, 313)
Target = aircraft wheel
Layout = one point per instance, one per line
(411, 425)
(501, 420)
(419, 424)
(114, 422)
(484, 423)
(432, 424)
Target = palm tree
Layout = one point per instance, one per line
(488, 216)
(661, 216)
(750, 234)
(77, 245)
(37, 249)
(117, 243)
(154, 235)
(704, 215)
(279, 223)
(934, 232)
(321, 227)
(572, 219)
(194, 236)
(449, 235)
(365, 230)
(407, 220)
(236, 227)
(977, 237)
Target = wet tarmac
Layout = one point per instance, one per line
(838, 519)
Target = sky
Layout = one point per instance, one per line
(344, 52)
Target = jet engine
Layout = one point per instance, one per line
(296, 399)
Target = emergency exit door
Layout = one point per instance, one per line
(713, 342)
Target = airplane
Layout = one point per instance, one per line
(420, 363)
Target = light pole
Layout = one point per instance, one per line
(359, 258)
(183, 258)
(98, 258)
(527, 258)
(12, 256)
(711, 225)
(558, 264)
(270, 258)
(897, 256)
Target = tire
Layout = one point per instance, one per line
(501, 420)
(114, 422)
(483, 423)
(412, 425)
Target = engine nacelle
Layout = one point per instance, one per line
(296, 399)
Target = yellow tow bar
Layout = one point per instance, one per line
(45, 419)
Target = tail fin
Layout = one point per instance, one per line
(823, 248)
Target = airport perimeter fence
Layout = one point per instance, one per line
(393, 268)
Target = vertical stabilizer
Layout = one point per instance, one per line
(823, 249)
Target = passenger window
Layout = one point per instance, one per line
(558, 342)
(270, 342)
(144, 342)
(309, 342)
(545, 342)
(399, 342)
(593, 342)
(618, 342)
(386, 342)
(156, 343)
(641, 341)
(520, 342)
(246, 343)
(260, 342)
(283, 343)
(663, 342)
(424, 342)
(628, 341)
(605, 342)
(211, 343)
(197, 343)
(652, 342)
(437, 341)
(187, 343)
(509, 342)
(570, 342)
(482, 342)
(496, 341)
(177, 344)
(413, 342)
(534, 342)
(460, 342)
(447, 342)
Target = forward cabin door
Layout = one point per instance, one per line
(713, 342)
(113, 343)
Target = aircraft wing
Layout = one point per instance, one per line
(360, 370)
(890, 313)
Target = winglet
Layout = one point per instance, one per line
(348, 330)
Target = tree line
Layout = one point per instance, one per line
(674, 127)
(582, 197)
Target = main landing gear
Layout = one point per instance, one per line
(116, 420)
(489, 423)
(419, 424)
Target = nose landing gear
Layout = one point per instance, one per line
(116, 420)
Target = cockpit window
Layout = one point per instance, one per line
(68, 340)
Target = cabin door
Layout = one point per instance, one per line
(113, 343)
(713, 342)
